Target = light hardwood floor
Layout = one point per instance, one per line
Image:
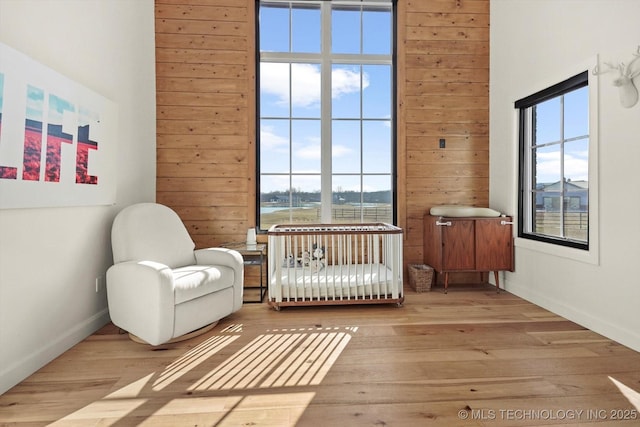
(468, 358)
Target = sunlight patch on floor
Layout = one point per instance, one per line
(281, 409)
(280, 359)
(191, 359)
(132, 389)
(632, 396)
(115, 409)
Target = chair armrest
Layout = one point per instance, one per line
(229, 258)
(141, 299)
(219, 256)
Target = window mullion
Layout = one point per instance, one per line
(361, 115)
(531, 165)
(361, 166)
(326, 196)
(562, 177)
(291, 189)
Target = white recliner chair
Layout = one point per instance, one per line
(160, 288)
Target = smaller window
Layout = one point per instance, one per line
(554, 164)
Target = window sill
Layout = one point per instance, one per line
(586, 256)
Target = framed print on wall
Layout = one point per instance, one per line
(57, 138)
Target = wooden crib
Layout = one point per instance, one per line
(335, 264)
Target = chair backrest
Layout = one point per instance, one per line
(151, 232)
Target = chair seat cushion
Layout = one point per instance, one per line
(195, 281)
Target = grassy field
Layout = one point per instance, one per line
(339, 214)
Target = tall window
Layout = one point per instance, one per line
(326, 112)
(554, 164)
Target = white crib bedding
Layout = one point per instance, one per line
(336, 281)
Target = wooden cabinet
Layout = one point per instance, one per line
(477, 244)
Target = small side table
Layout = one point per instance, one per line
(253, 255)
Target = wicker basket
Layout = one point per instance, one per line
(420, 277)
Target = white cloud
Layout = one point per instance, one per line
(340, 150)
(346, 81)
(309, 151)
(576, 166)
(272, 141)
(274, 79)
(305, 83)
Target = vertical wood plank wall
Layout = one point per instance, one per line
(443, 93)
(205, 67)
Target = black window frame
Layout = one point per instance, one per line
(394, 114)
(575, 82)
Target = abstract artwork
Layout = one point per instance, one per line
(57, 138)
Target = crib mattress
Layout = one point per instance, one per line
(337, 281)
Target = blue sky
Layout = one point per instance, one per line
(576, 153)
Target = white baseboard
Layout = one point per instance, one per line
(617, 333)
(19, 370)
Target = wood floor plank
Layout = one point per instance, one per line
(467, 358)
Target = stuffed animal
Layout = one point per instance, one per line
(289, 261)
(318, 253)
(305, 260)
(317, 262)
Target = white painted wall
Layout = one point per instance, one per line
(50, 258)
(536, 43)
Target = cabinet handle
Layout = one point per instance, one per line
(506, 222)
(448, 223)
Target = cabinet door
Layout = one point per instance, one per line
(432, 244)
(458, 244)
(494, 244)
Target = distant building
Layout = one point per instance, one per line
(576, 196)
(279, 199)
